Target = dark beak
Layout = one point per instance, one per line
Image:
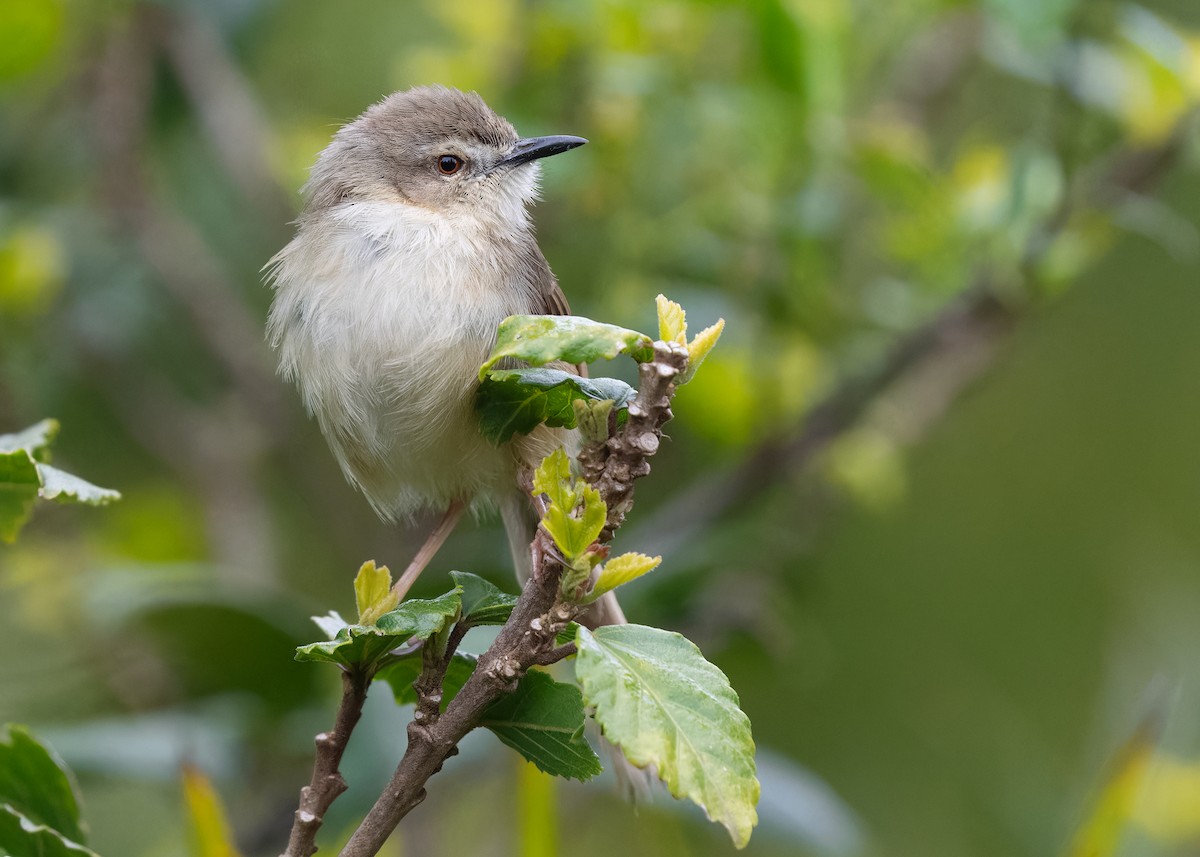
(532, 148)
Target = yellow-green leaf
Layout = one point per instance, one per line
(576, 514)
(373, 592)
(672, 321)
(698, 348)
(208, 826)
(542, 339)
(658, 700)
(621, 569)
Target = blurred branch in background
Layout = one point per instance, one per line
(929, 368)
(216, 446)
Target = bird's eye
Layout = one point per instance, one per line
(448, 165)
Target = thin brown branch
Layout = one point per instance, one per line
(327, 781)
(613, 466)
(529, 638)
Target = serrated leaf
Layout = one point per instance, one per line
(542, 339)
(573, 533)
(553, 478)
(20, 836)
(483, 603)
(672, 320)
(621, 569)
(401, 672)
(19, 486)
(34, 782)
(207, 823)
(373, 592)
(699, 347)
(362, 646)
(576, 514)
(63, 487)
(36, 440)
(516, 401)
(658, 699)
(543, 721)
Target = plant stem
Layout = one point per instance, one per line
(327, 781)
(524, 640)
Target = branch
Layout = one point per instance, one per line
(528, 638)
(327, 782)
(614, 465)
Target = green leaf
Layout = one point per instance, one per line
(362, 646)
(36, 440)
(373, 592)
(35, 783)
(576, 514)
(483, 603)
(516, 401)
(658, 699)
(63, 487)
(25, 475)
(621, 569)
(542, 339)
(543, 721)
(19, 486)
(21, 836)
(402, 671)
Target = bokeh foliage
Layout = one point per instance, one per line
(943, 626)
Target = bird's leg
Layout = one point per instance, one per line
(436, 539)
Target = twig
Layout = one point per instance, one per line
(613, 466)
(327, 782)
(529, 637)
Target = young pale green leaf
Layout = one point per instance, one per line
(621, 569)
(574, 533)
(483, 603)
(207, 821)
(672, 320)
(362, 646)
(542, 339)
(21, 836)
(553, 478)
(699, 347)
(592, 419)
(401, 672)
(34, 782)
(516, 401)
(36, 440)
(658, 699)
(576, 513)
(19, 486)
(373, 592)
(543, 721)
(63, 487)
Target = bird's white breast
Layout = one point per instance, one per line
(382, 315)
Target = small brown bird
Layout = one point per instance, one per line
(414, 243)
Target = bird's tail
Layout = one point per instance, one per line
(520, 524)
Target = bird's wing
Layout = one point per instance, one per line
(548, 297)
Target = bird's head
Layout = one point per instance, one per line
(437, 148)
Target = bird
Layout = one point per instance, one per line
(415, 241)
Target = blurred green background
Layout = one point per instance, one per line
(933, 504)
